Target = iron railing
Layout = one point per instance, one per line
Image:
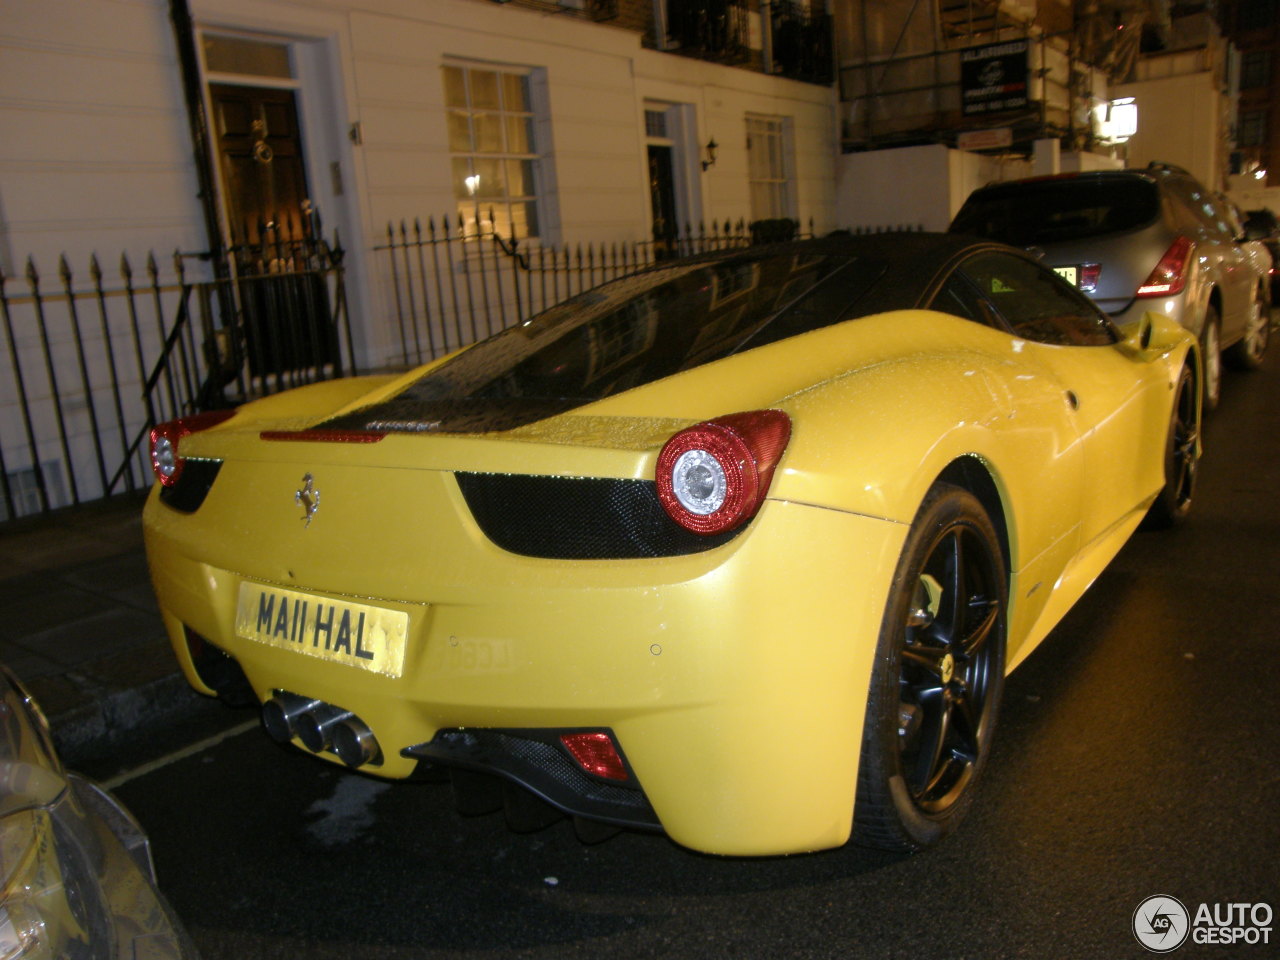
(453, 284)
(710, 29)
(94, 360)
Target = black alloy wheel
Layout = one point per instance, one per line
(1181, 458)
(940, 672)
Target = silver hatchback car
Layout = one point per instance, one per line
(1139, 240)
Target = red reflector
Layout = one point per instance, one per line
(1170, 274)
(323, 436)
(596, 754)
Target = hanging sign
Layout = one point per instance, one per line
(994, 77)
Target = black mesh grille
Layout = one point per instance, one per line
(578, 518)
(194, 483)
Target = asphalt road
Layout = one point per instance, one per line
(1136, 755)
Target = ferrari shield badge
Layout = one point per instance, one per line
(308, 497)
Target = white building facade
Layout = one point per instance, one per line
(549, 123)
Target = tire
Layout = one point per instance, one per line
(1181, 457)
(938, 676)
(1247, 353)
(1211, 350)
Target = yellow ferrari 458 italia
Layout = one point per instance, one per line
(739, 548)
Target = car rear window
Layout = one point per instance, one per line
(625, 334)
(1048, 211)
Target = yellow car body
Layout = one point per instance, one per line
(734, 679)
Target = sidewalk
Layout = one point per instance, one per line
(80, 627)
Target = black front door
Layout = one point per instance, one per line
(662, 199)
(284, 300)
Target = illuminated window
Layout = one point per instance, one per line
(491, 143)
(768, 168)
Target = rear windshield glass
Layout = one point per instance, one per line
(625, 334)
(1048, 211)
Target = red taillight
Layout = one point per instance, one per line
(1170, 274)
(596, 754)
(713, 476)
(165, 459)
(1089, 274)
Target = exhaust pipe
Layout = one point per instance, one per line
(315, 727)
(354, 742)
(320, 726)
(281, 712)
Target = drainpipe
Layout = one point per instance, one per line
(766, 35)
(198, 123)
(201, 147)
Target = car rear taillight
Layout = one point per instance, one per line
(596, 754)
(165, 459)
(1170, 274)
(1089, 274)
(714, 475)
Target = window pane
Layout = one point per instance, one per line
(488, 128)
(492, 183)
(525, 220)
(460, 132)
(468, 216)
(520, 178)
(463, 182)
(1255, 69)
(515, 92)
(255, 58)
(759, 201)
(455, 87)
(519, 135)
(484, 90)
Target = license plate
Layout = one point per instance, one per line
(340, 631)
(1069, 274)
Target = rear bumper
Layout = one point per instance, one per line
(734, 680)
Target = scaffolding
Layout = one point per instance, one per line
(928, 71)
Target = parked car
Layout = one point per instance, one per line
(1273, 247)
(714, 549)
(76, 877)
(1139, 240)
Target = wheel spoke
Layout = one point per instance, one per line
(951, 604)
(928, 658)
(933, 740)
(965, 725)
(973, 641)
